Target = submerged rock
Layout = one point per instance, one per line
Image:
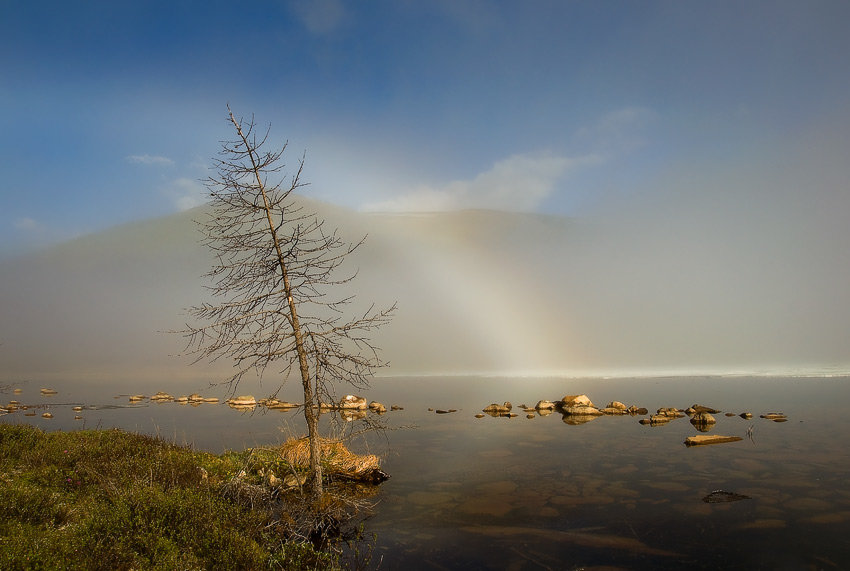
(49, 392)
(722, 496)
(774, 416)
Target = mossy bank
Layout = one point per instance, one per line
(109, 499)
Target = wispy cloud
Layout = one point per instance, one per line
(28, 224)
(186, 193)
(619, 131)
(320, 17)
(149, 160)
(519, 183)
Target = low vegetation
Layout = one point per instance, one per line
(108, 499)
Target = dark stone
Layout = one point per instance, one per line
(722, 496)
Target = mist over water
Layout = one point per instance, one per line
(741, 270)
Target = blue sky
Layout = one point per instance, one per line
(112, 110)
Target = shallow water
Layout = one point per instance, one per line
(520, 493)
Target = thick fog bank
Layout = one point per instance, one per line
(687, 281)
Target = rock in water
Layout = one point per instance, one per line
(703, 421)
(575, 400)
(498, 407)
(241, 400)
(353, 402)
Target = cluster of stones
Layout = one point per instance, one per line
(357, 403)
(353, 407)
(576, 409)
(161, 397)
(701, 416)
(14, 405)
(250, 402)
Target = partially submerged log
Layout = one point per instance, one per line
(703, 439)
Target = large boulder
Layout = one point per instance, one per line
(575, 400)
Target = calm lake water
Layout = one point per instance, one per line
(539, 493)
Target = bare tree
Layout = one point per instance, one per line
(276, 281)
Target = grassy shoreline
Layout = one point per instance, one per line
(110, 499)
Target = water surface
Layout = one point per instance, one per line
(538, 493)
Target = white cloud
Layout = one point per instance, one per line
(186, 193)
(320, 17)
(519, 182)
(149, 160)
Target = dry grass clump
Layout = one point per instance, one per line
(337, 460)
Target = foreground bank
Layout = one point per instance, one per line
(110, 499)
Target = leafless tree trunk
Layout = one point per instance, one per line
(274, 260)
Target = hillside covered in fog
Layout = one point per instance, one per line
(477, 292)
